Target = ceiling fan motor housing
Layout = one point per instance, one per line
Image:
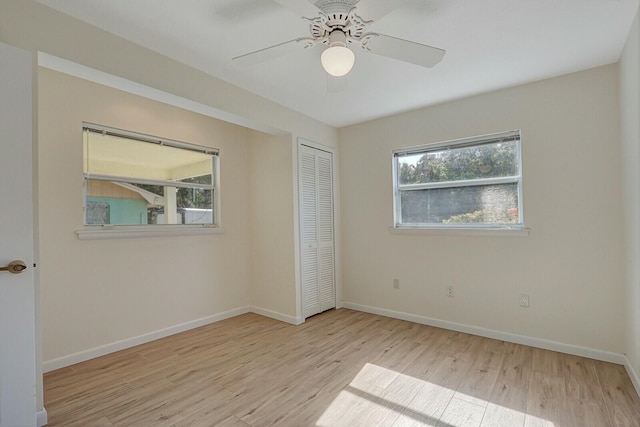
(339, 17)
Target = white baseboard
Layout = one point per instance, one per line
(632, 374)
(277, 316)
(591, 353)
(61, 362)
(41, 418)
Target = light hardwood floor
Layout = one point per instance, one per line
(340, 368)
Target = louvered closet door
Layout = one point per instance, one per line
(316, 206)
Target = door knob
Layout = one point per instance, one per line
(15, 267)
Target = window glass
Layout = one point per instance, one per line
(134, 179)
(455, 164)
(475, 182)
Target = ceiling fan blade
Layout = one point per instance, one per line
(404, 50)
(268, 53)
(372, 10)
(301, 8)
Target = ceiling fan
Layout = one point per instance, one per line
(341, 23)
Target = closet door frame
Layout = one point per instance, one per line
(299, 238)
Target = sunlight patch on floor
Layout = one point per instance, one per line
(380, 396)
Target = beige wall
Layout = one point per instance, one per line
(630, 137)
(97, 292)
(570, 264)
(272, 266)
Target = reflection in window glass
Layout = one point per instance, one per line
(455, 164)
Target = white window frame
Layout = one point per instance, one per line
(109, 231)
(452, 144)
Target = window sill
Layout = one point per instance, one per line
(132, 231)
(461, 231)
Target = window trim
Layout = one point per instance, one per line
(469, 228)
(94, 232)
(461, 231)
(111, 231)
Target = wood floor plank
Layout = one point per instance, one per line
(428, 360)
(449, 373)
(490, 354)
(342, 367)
(430, 402)
(477, 386)
(461, 413)
(622, 402)
(517, 365)
(588, 413)
(218, 408)
(579, 373)
(412, 419)
(233, 421)
(89, 406)
(547, 401)
(548, 362)
(502, 416)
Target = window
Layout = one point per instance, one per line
(471, 183)
(135, 179)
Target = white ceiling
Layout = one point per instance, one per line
(490, 44)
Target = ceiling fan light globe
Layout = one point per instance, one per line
(337, 60)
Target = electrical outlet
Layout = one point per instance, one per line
(450, 291)
(396, 283)
(524, 300)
